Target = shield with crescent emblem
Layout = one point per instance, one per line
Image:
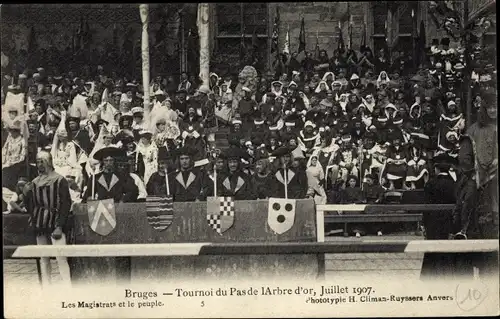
(102, 217)
(220, 213)
(281, 214)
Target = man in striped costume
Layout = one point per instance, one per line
(48, 201)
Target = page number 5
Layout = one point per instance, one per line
(203, 304)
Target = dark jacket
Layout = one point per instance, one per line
(120, 188)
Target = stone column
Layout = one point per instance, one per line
(144, 10)
(204, 33)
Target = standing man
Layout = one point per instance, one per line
(438, 225)
(48, 201)
(188, 184)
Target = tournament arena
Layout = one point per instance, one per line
(241, 140)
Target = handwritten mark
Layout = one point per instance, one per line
(470, 295)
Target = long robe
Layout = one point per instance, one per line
(438, 225)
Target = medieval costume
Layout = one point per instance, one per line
(294, 178)
(235, 183)
(108, 184)
(48, 216)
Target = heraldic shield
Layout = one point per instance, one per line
(102, 217)
(220, 213)
(159, 211)
(281, 214)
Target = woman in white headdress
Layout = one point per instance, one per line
(147, 147)
(321, 90)
(224, 111)
(14, 149)
(383, 79)
(315, 179)
(164, 124)
(64, 152)
(328, 77)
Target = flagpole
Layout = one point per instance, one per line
(215, 179)
(93, 184)
(204, 34)
(166, 181)
(286, 183)
(144, 11)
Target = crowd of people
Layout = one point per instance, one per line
(344, 129)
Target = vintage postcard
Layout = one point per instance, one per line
(300, 159)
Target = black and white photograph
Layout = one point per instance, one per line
(279, 159)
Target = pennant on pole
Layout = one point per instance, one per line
(275, 35)
(316, 49)
(302, 37)
(341, 45)
(286, 46)
(363, 37)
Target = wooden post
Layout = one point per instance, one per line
(183, 45)
(468, 70)
(203, 31)
(144, 11)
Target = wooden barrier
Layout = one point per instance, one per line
(189, 225)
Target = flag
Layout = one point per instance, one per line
(341, 45)
(414, 38)
(87, 35)
(302, 37)
(281, 214)
(350, 33)
(102, 217)
(255, 44)
(302, 43)
(316, 49)
(32, 44)
(160, 35)
(79, 34)
(115, 36)
(363, 37)
(243, 48)
(220, 213)
(286, 46)
(275, 35)
(159, 211)
(421, 45)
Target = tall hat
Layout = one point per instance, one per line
(282, 151)
(236, 153)
(260, 154)
(184, 151)
(164, 154)
(444, 161)
(106, 152)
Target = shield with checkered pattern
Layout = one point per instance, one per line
(220, 213)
